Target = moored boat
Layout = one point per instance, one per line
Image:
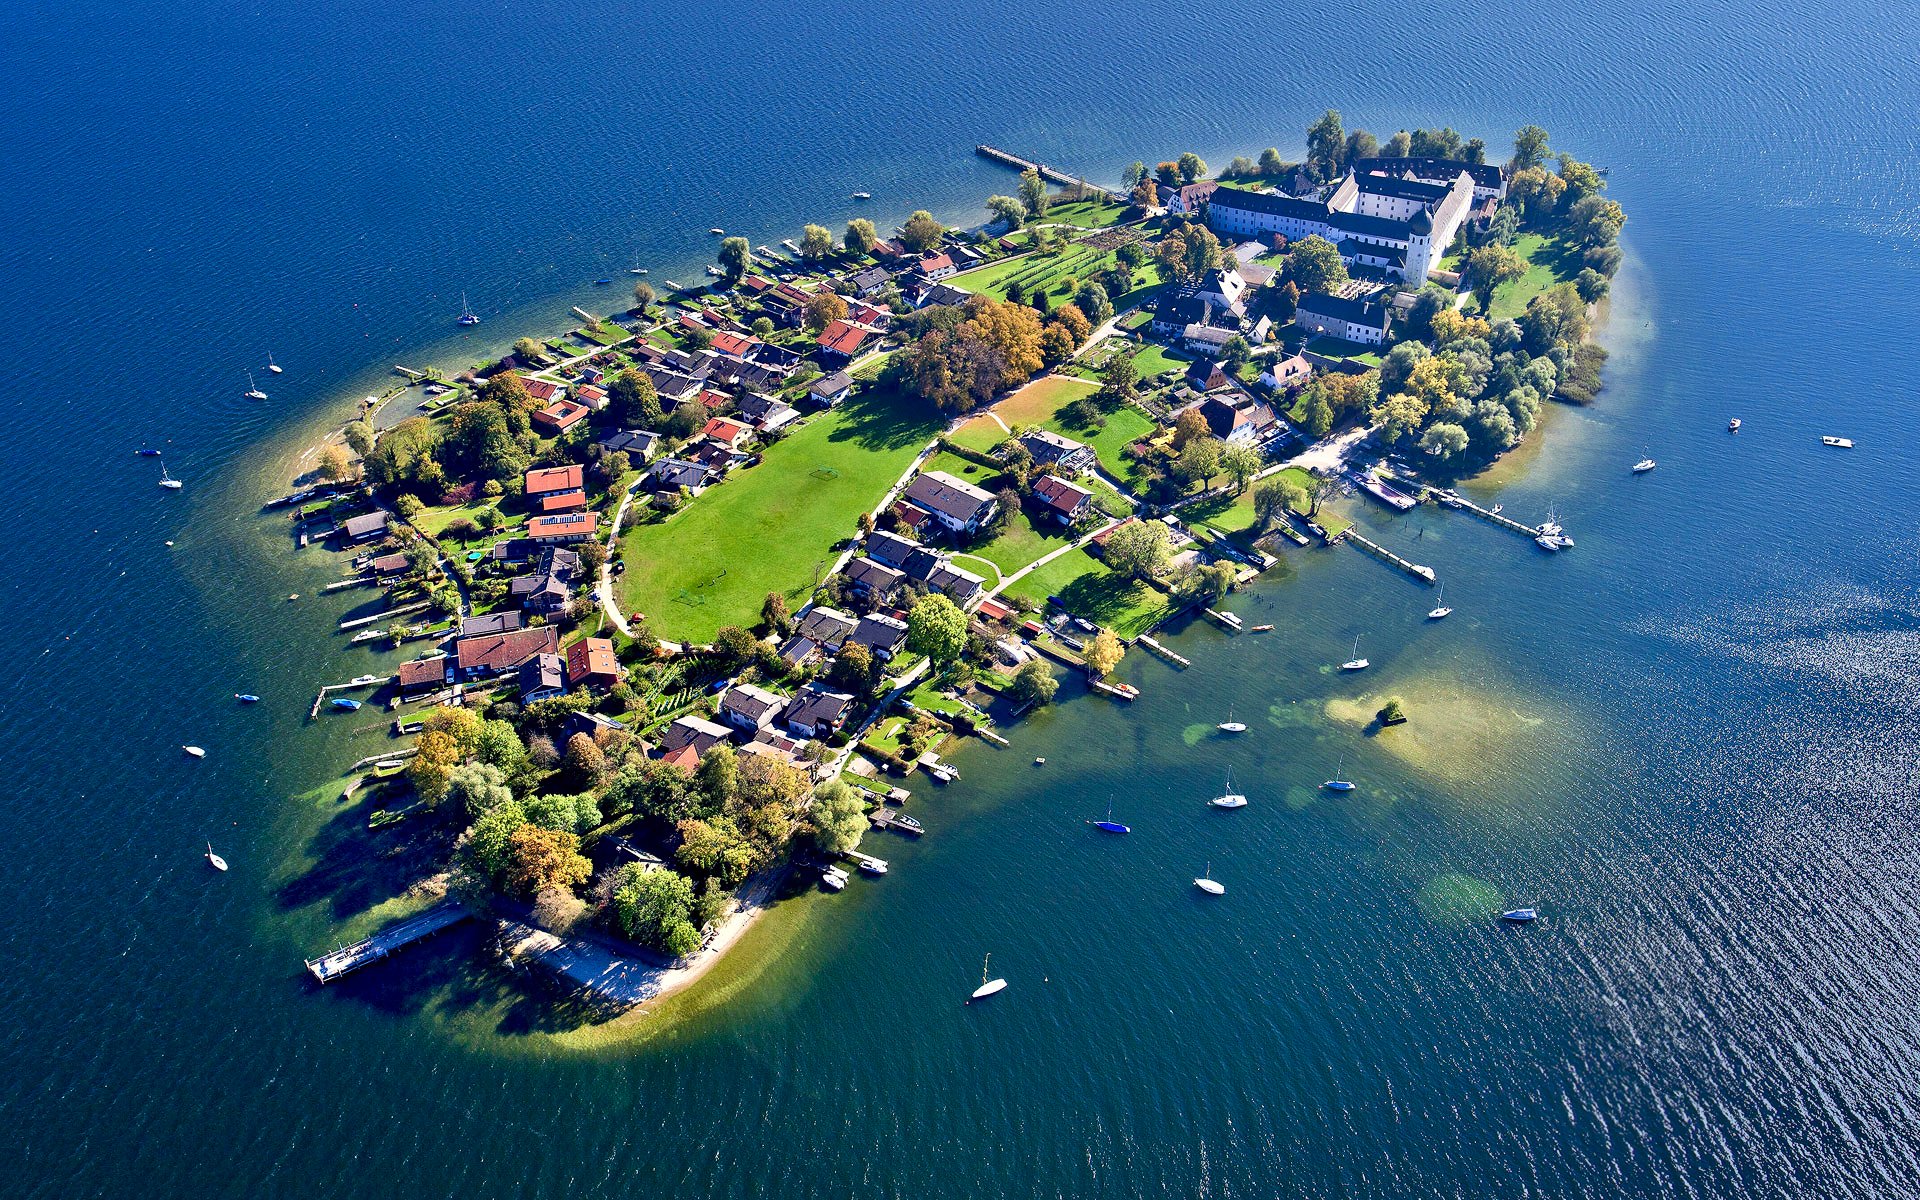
(1440, 611)
(246, 698)
(1519, 916)
(194, 751)
(1109, 825)
(988, 987)
(1644, 465)
(1337, 784)
(1208, 885)
(1838, 442)
(1733, 426)
(1356, 663)
(344, 704)
(214, 860)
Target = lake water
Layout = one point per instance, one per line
(1689, 742)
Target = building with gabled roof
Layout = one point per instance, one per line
(955, 503)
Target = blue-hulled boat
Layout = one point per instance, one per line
(344, 703)
(1519, 916)
(147, 452)
(1109, 825)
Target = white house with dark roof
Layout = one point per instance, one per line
(1336, 316)
(880, 633)
(749, 707)
(1401, 226)
(955, 503)
(701, 734)
(1064, 499)
(1048, 448)
(817, 712)
(827, 627)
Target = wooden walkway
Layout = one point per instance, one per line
(1177, 660)
(347, 959)
(1050, 174)
(1455, 500)
(1423, 574)
(886, 818)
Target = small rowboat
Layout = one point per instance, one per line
(344, 703)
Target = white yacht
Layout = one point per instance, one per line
(1356, 663)
(988, 987)
(214, 860)
(467, 315)
(1230, 798)
(1839, 442)
(253, 389)
(1230, 725)
(1644, 465)
(272, 365)
(1440, 611)
(167, 481)
(1208, 886)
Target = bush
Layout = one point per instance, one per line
(1391, 713)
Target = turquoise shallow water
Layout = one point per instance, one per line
(1690, 741)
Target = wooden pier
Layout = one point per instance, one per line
(1178, 660)
(1225, 620)
(1126, 693)
(894, 822)
(357, 622)
(349, 686)
(1455, 500)
(866, 862)
(1050, 174)
(347, 959)
(1423, 574)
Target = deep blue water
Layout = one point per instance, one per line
(1698, 729)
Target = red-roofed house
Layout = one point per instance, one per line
(1066, 500)
(560, 416)
(873, 318)
(689, 320)
(937, 266)
(493, 653)
(712, 399)
(560, 502)
(590, 396)
(542, 390)
(734, 345)
(562, 528)
(841, 340)
(592, 664)
(548, 480)
(731, 434)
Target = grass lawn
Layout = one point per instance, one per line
(767, 528)
(1093, 592)
(1022, 543)
(982, 433)
(1089, 214)
(960, 468)
(1548, 263)
(1332, 347)
(1153, 358)
(985, 568)
(435, 520)
(1052, 271)
(1224, 514)
(1124, 426)
(1039, 401)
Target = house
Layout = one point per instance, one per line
(1207, 375)
(936, 267)
(881, 634)
(877, 319)
(496, 653)
(750, 708)
(390, 564)
(955, 503)
(731, 434)
(561, 502)
(366, 527)
(870, 281)
(505, 621)
(592, 397)
(733, 345)
(592, 664)
(672, 474)
(693, 733)
(560, 416)
(1207, 339)
(423, 675)
(550, 586)
(563, 528)
(1065, 500)
(1489, 182)
(672, 386)
(826, 627)
(890, 548)
(714, 456)
(941, 293)
(543, 390)
(829, 390)
(1238, 419)
(798, 651)
(758, 377)
(840, 341)
(549, 481)
(1358, 321)
(542, 677)
(767, 413)
(960, 586)
(817, 713)
(638, 445)
(1188, 199)
(512, 550)
(890, 248)
(592, 724)
(874, 579)
(1049, 449)
(1223, 288)
(1282, 373)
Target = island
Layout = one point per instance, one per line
(684, 601)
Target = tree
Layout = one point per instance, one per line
(1103, 653)
(1241, 167)
(715, 847)
(936, 628)
(1273, 498)
(1443, 439)
(1093, 302)
(1006, 211)
(1074, 319)
(1033, 193)
(1199, 461)
(1326, 143)
(1489, 266)
(1582, 179)
(921, 231)
(643, 295)
(1392, 713)
(435, 756)
(1596, 221)
(655, 908)
(735, 646)
(1138, 549)
(335, 465)
(1314, 265)
(488, 842)
(762, 327)
(359, 436)
(1119, 380)
(1034, 684)
(1191, 167)
(1361, 145)
(1056, 344)
(1529, 148)
(1207, 584)
(1591, 285)
(837, 819)
(1241, 463)
(852, 669)
(816, 243)
(1236, 354)
(1145, 194)
(585, 762)
(824, 309)
(735, 258)
(773, 614)
(1505, 226)
(861, 237)
(1132, 176)
(1270, 162)
(477, 788)
(1190, 426)
(1398, 146)
(1535, 191)
(1604, 259)
(530, 350)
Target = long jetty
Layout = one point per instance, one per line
(1176, 659)
(1423, 574)
(347, 959)
(1050, 174)
(1455, 500)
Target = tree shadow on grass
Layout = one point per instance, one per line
(1104, 598)
(882, 418)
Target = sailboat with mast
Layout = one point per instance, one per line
(1110, 825)
(1208, 885)
(272, 366)
(253, 389)
(1230, 725)
(167, 481)
(467, 315)
(1440, 610)
(1337, 784)
(1230, 798)
(988, 987)
(1356, 663)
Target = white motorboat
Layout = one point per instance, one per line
(194, 751)
(832, 881)
(863, 195)
(988, 987)
(363, 680)
(1839, 442)
(716, 231)
(1643, 466)
(214, 860)
(1440, 611)
(1733, 426)
(1209, 886)
(1356, 663)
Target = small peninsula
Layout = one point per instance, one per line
(684, 603)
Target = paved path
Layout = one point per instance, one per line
(1044, 559)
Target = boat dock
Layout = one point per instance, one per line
(894, 822)
(1225, 620)
(1423, 574)
(1126, 693)
(866, 861)
(349, 686)
(357, 622)
(1178, 660)
(1455, 500)
(1378, 488)
(1050, 174)
(991, 737)
(347, 959)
